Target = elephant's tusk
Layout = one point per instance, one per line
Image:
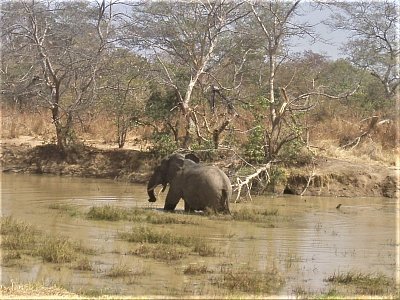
(152, 188)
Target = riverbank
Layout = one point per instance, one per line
(324, 177)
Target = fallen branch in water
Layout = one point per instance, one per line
(248, 180)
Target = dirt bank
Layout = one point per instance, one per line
(84, 161)
(335, 177)
(325, 177)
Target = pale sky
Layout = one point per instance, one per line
(334, 39)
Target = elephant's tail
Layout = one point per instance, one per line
(225, 201)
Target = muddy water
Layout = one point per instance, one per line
(310, 240)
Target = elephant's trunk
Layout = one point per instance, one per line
(153, 182)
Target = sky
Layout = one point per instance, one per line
(334, 39)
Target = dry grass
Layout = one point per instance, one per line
(15, 123)
(254, 282)
(379, 145)
(34, 290)
(364, 284)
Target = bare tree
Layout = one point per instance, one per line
(61, 44)
(185, 39)
(276, 24)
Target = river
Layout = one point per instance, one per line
(314, 241)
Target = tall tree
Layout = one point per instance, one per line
(275, 23)
(374, 38)
(185, 39)
(61, 44)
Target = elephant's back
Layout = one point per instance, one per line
(209, 178)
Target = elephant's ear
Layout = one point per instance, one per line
(192, 157)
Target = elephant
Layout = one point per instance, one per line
(200, 186)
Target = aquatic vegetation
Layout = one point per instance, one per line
(57, 250)
(254, 215)
(112, 213)
(369, 283)
(19, 236)
(65, 208)
(83, 264)
(151, 236)
(119, 270)
(160, 252)
(108, 213)
(195, 269)
(245, 280)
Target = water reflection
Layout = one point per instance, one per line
(314, 240)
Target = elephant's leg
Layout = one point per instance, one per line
(188, 208)
(172, 200)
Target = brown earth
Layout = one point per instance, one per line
(325, 177)
(335, 177)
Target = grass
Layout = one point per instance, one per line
(112, 213)
(194, 269)
(242, 279)
(119, 270)
(160, 252)
(253, 215)
(83, 264)
(164, 239)
(123, 270)
(148, 235)
(65, 208)
(19, 237)
(26, 291)
(370, 283)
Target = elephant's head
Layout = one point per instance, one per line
(166, 171)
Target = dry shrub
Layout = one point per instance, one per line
(99, 127)
(15, 123)
(379, 145)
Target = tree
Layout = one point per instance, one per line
(374, 38)
(125, 90)
(275, 23)
(185, 40)
(61, 45)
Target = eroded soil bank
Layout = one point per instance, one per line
(325, 177)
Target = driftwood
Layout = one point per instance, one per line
(310, 178)
(247, 182)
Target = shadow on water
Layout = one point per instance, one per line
(305, 239)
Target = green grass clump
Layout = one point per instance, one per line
(253, 215)
(146, 235)
(112, 213)
(244, 280)
(107, 213)
(19, 236)
(119, 270)
(65, 208)
(58, 249)
(370, 284)
(160, 252)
